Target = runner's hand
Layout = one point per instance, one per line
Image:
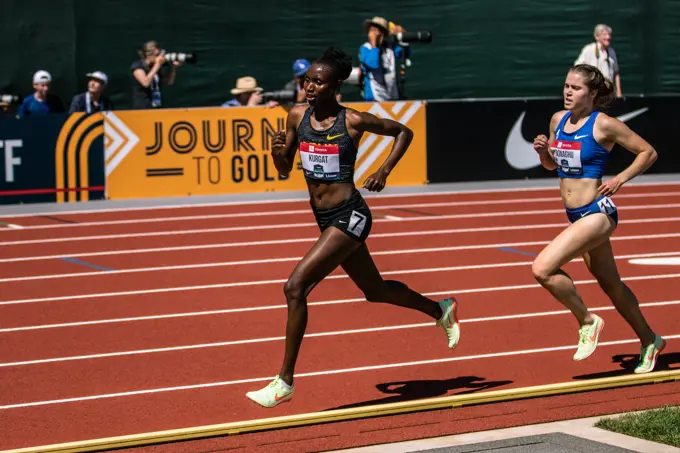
(541, 144)
(278, 142)
(376, 182)
(610, 187)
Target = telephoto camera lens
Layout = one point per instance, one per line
(415, 36)
(279, 96)
(180, 56)
(9, 98)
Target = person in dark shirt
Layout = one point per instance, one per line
(148, 75)
(92, 100)
(42, 101)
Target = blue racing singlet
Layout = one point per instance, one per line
(577, 154)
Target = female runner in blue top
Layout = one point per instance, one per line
(327, 136)
(581, 138)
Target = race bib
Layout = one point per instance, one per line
(320, 161)
(567, 156)
(606, 205)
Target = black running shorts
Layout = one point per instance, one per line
(352, 216)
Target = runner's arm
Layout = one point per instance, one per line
(617, 131)
(284, 143)
(366, 122)
(545, 154)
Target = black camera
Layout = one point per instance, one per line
(280, 96)
(180, 56)
(10, 98)
(423, 37)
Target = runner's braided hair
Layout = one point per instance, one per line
(595, 81)
(339, 62)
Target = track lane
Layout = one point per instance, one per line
(22, 384)
(241, 282)
(159, 304)
(666, 189)
(483, 239)
(264, 241)
(433, 216)
(221, 404)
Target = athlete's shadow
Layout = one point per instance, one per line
(628, 362)
(414, 390)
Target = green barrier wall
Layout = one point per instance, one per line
(481, 48)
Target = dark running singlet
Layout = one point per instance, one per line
(327, 155)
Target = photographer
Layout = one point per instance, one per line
(149, 74)
(300, 68)
(379, 58)
(247, 93)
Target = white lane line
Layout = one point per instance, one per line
(304, 198)
(310, 224)
(314, 239)
(294, 259)
(217, 312)
(308, 212)
(313, 335)
(319, 373)
(265, 282)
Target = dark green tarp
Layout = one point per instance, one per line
(481, 48)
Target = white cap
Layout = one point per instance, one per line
(99, 76)
(42, 77)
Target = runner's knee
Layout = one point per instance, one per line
(294, 289)
(541, 272)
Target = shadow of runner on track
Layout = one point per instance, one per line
(414, 390)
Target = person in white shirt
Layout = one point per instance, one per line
(601, 55)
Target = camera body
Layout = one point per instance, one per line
(182, 57)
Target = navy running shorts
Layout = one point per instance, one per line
(602, 204)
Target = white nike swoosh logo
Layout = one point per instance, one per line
(576, 137)
(520, 153)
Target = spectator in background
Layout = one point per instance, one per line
(379, 57)
(601, 55)
(300, 68)
(92, 100)
(148, 76)
(42, 101)
(247, 93)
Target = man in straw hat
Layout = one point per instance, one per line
(379, 57)
(246, 92)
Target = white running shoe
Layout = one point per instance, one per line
(649, 354)
(273, 394)
(588, 337)
(449, 320)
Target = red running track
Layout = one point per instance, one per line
(134, 321)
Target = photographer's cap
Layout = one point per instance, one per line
(42, 76)
(98, 75)
(378, 21)
(301, 66)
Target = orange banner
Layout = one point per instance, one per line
(227, 150)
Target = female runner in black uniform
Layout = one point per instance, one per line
(328, 135)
